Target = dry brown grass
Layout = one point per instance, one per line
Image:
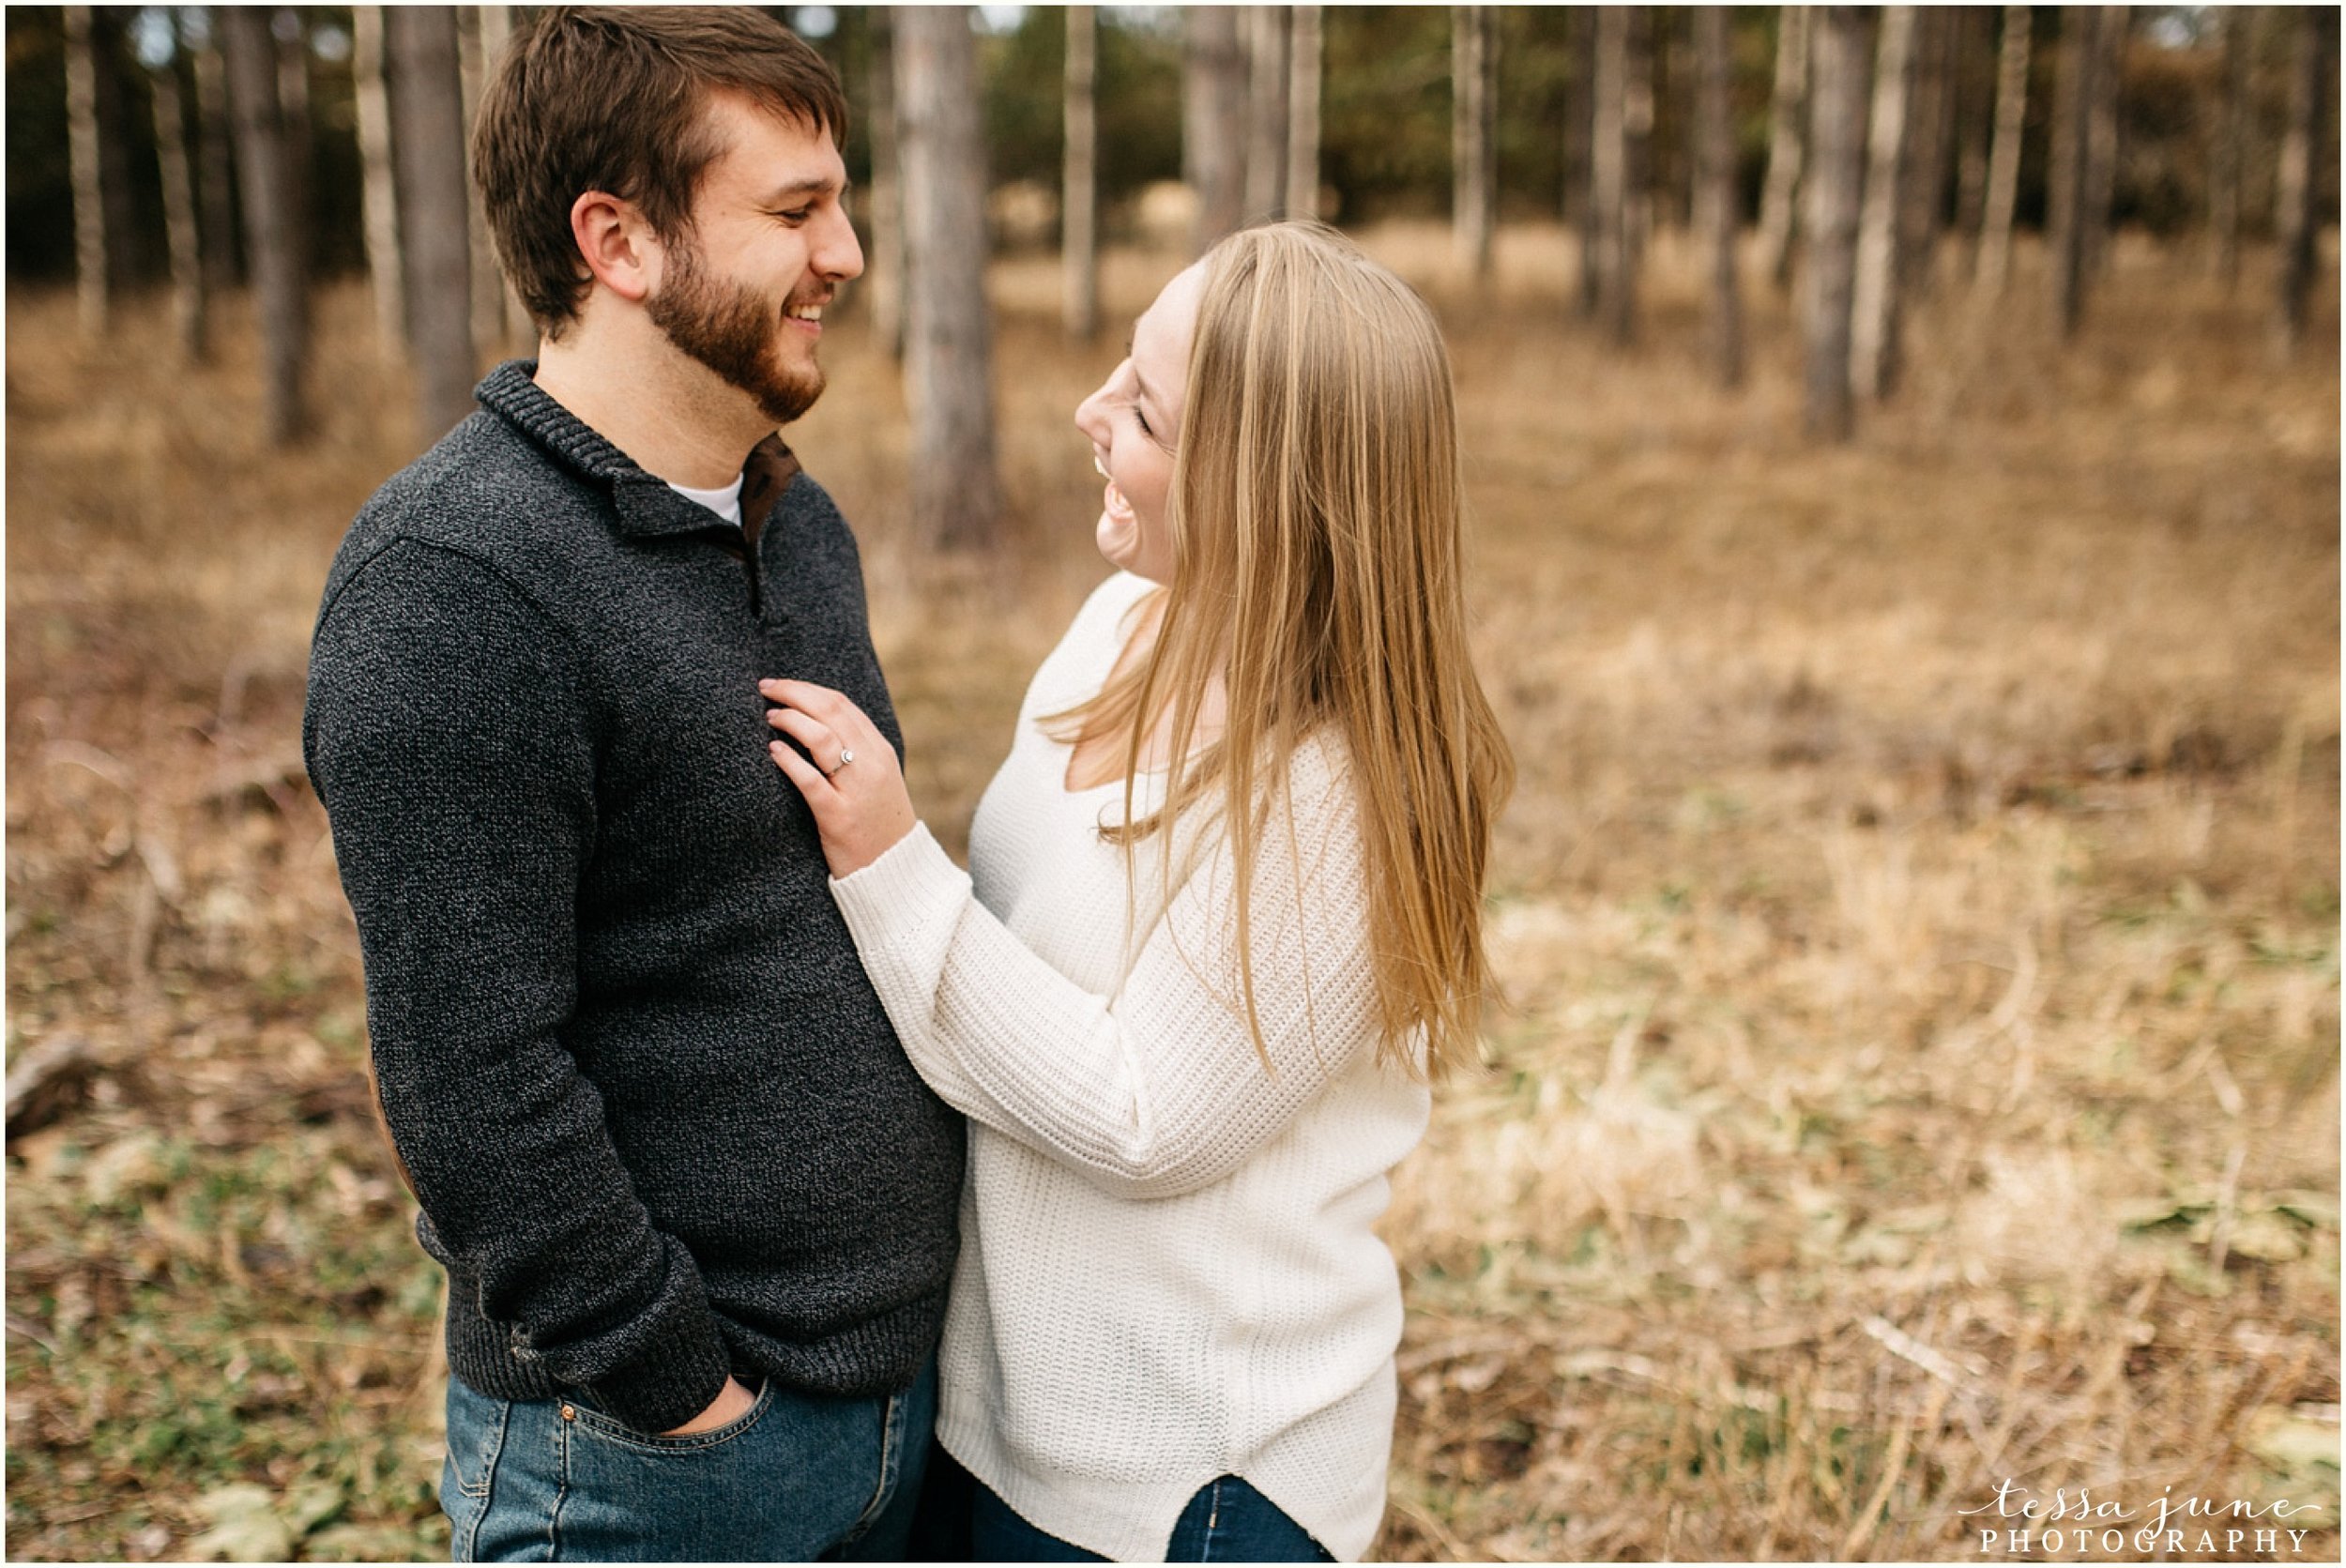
(1919, 914)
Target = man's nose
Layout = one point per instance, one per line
(839, 255)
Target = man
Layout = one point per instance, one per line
(697, 1212)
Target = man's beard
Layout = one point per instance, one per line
(732, 330)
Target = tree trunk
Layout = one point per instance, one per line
(216, 196)
(1638, 116)
(270, 224)
(1779, 198)
(1974, 117)
(1079, 229)
(1304, 66)
(90, 239)
(1581, 153)
(118, 131)
(956, 497)
(1473, 160)
(2224, 158)
(187, 248)
(2101, 139)
(1214, 120)
(1923, 180)
(1954, 24)
(428, 126)
(1874, 310)
(1715, 205)
(1835, 167)
(1267, 112)
(488, 285)
(884, 280)
(2313, 42)
(497, 32)
(2064, 227)
(2004, 159)
(379, 200)
(1608, 178)
(290, 30)
(1669, 181)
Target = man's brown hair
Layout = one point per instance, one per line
(588, 98)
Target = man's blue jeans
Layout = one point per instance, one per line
(798, 1479)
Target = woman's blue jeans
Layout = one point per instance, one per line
(799, 1478)
(1228, 1521)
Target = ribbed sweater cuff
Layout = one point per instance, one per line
(898, 900)
(674, 1378)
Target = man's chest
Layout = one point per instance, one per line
(675, 652)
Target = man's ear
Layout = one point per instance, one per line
(618, 246)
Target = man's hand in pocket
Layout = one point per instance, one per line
(733, 1401)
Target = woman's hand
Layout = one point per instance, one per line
(854, 786)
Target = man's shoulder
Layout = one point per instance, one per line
(482, 492)
(481, 483)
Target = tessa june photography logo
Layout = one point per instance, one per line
(2027, 1522)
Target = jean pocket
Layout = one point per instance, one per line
(605, 1427)
(472, 1458)
(476, 1441)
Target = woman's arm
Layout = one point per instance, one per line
(1156, 1090)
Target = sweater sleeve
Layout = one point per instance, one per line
(1157, 1090)
(448, 736)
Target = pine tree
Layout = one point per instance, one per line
(1876, 305)
(1833, 180)
(273, 222)
(2313, 46)
(1214, 120)
(1473, 142)
(378, 195)
(1303, 70)
(1779, 198)
(1715, 206)
(187, 303)
(91, 264)
(1079, 229)
(2001, 197)
(957, 496)
(428, 128)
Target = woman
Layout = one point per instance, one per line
(1221, 927)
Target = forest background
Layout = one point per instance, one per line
(1918, 916)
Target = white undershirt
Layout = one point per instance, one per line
(725, 500)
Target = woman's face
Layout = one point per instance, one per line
(1134, 423)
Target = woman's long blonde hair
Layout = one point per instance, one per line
(1315, 510)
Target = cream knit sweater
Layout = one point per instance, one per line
(1167, 1271)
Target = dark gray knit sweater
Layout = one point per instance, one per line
(657, 1120)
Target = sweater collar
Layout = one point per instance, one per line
(644, 504)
